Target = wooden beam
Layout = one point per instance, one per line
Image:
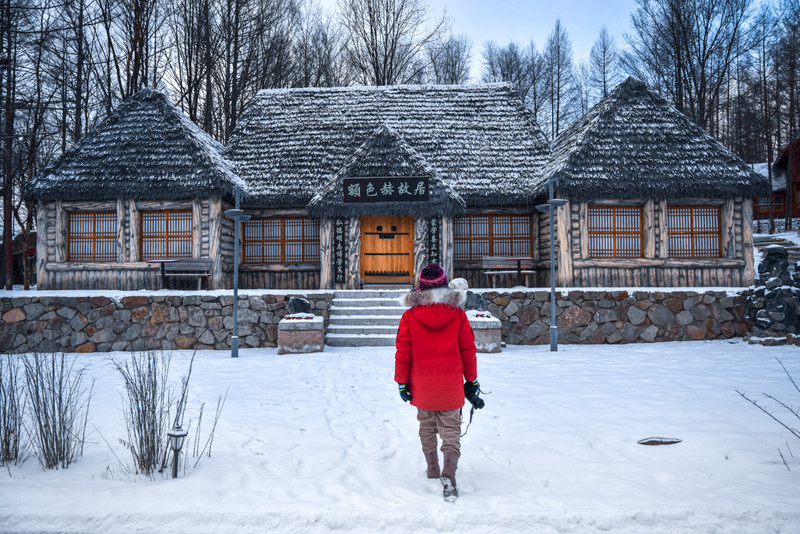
(326, 253)
(215, 242)
(748, 272)
(122, 249)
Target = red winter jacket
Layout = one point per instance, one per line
(435, 349)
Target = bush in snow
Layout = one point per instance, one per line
(152, 406)
(12, 409)
(788, 415)
(59, 408)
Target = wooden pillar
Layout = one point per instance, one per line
(447, 245)
(662, 243)
(122, 249)
(649, 231)
(60, 231)
(135, 231)
(420, 246)
(326, 258)
(727, 230)
(196, 228)
(749, 272)
(42, 224)
(353, 278)
(215, 242)
(563, 231)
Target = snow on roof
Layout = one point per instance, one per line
(385, 154)
(480, 139)
(146, 149)
(634, 144)
(778, 179)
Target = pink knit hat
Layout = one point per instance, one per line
(432, 276)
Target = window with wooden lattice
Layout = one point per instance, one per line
(281, 240)
(166, 234)
(92, 236)
(694, 232)
(476, 236)
(615, 231)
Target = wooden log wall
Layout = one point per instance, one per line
(301, 276)
(656, 269)
(128, 272)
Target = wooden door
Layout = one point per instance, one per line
(387, 249)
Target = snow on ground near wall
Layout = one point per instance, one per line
(322, 442)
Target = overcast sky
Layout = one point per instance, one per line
(522, 20)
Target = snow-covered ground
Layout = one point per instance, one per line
(322, 442)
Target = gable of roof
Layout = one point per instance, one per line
(634, 144)
(480, 139)
(147, 149)
(386, 154)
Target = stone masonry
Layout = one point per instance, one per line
(591, 317)
(142, 322)
(204, 321)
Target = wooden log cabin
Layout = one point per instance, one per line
(348, 187)
(652, 199)
(785, 198)
(147, 184)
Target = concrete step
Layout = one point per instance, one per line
(368, 294)
(362, 340)
(390, 320)
(360, 303)
(352, 329)
(367, 310)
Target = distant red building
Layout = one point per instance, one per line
(785, 173)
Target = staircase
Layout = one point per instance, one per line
(763, 241)
(366, 318)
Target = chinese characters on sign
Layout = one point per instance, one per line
(434, 239)
(338, 251)
(402, 189)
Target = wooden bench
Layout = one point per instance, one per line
(188, 268)
(494, 266)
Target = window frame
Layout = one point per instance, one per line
(282, 241)
(492, 239)
(693, 234)
(614, 233)
(169, 237)
(94, 237)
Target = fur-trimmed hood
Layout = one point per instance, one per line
(440, 295)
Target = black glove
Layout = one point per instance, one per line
(404, 393)
(471, 392)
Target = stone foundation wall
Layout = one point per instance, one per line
(591, 317)
(133, 323)
(204, 321)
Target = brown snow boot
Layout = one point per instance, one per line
(448, 478)
(433, 464)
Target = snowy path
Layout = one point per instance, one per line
(321, 443)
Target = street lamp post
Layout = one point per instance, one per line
(238, 217)
(550, 207)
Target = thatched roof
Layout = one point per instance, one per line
(480, 139)
(147, 149)
(634, 144)
(386, 154)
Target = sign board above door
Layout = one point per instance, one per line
(402, 189)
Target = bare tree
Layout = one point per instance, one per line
(560, 79)
(603, 64)
(450, 59)
(689, 47)
(318, 51)
(523, 67)
(386, 38)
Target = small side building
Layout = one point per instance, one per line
(785, 198)
(652, 199)
(146, 184)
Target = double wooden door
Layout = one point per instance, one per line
(387, 249)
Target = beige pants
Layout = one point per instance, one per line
(446, 423)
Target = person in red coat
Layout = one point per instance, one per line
(435, 357)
